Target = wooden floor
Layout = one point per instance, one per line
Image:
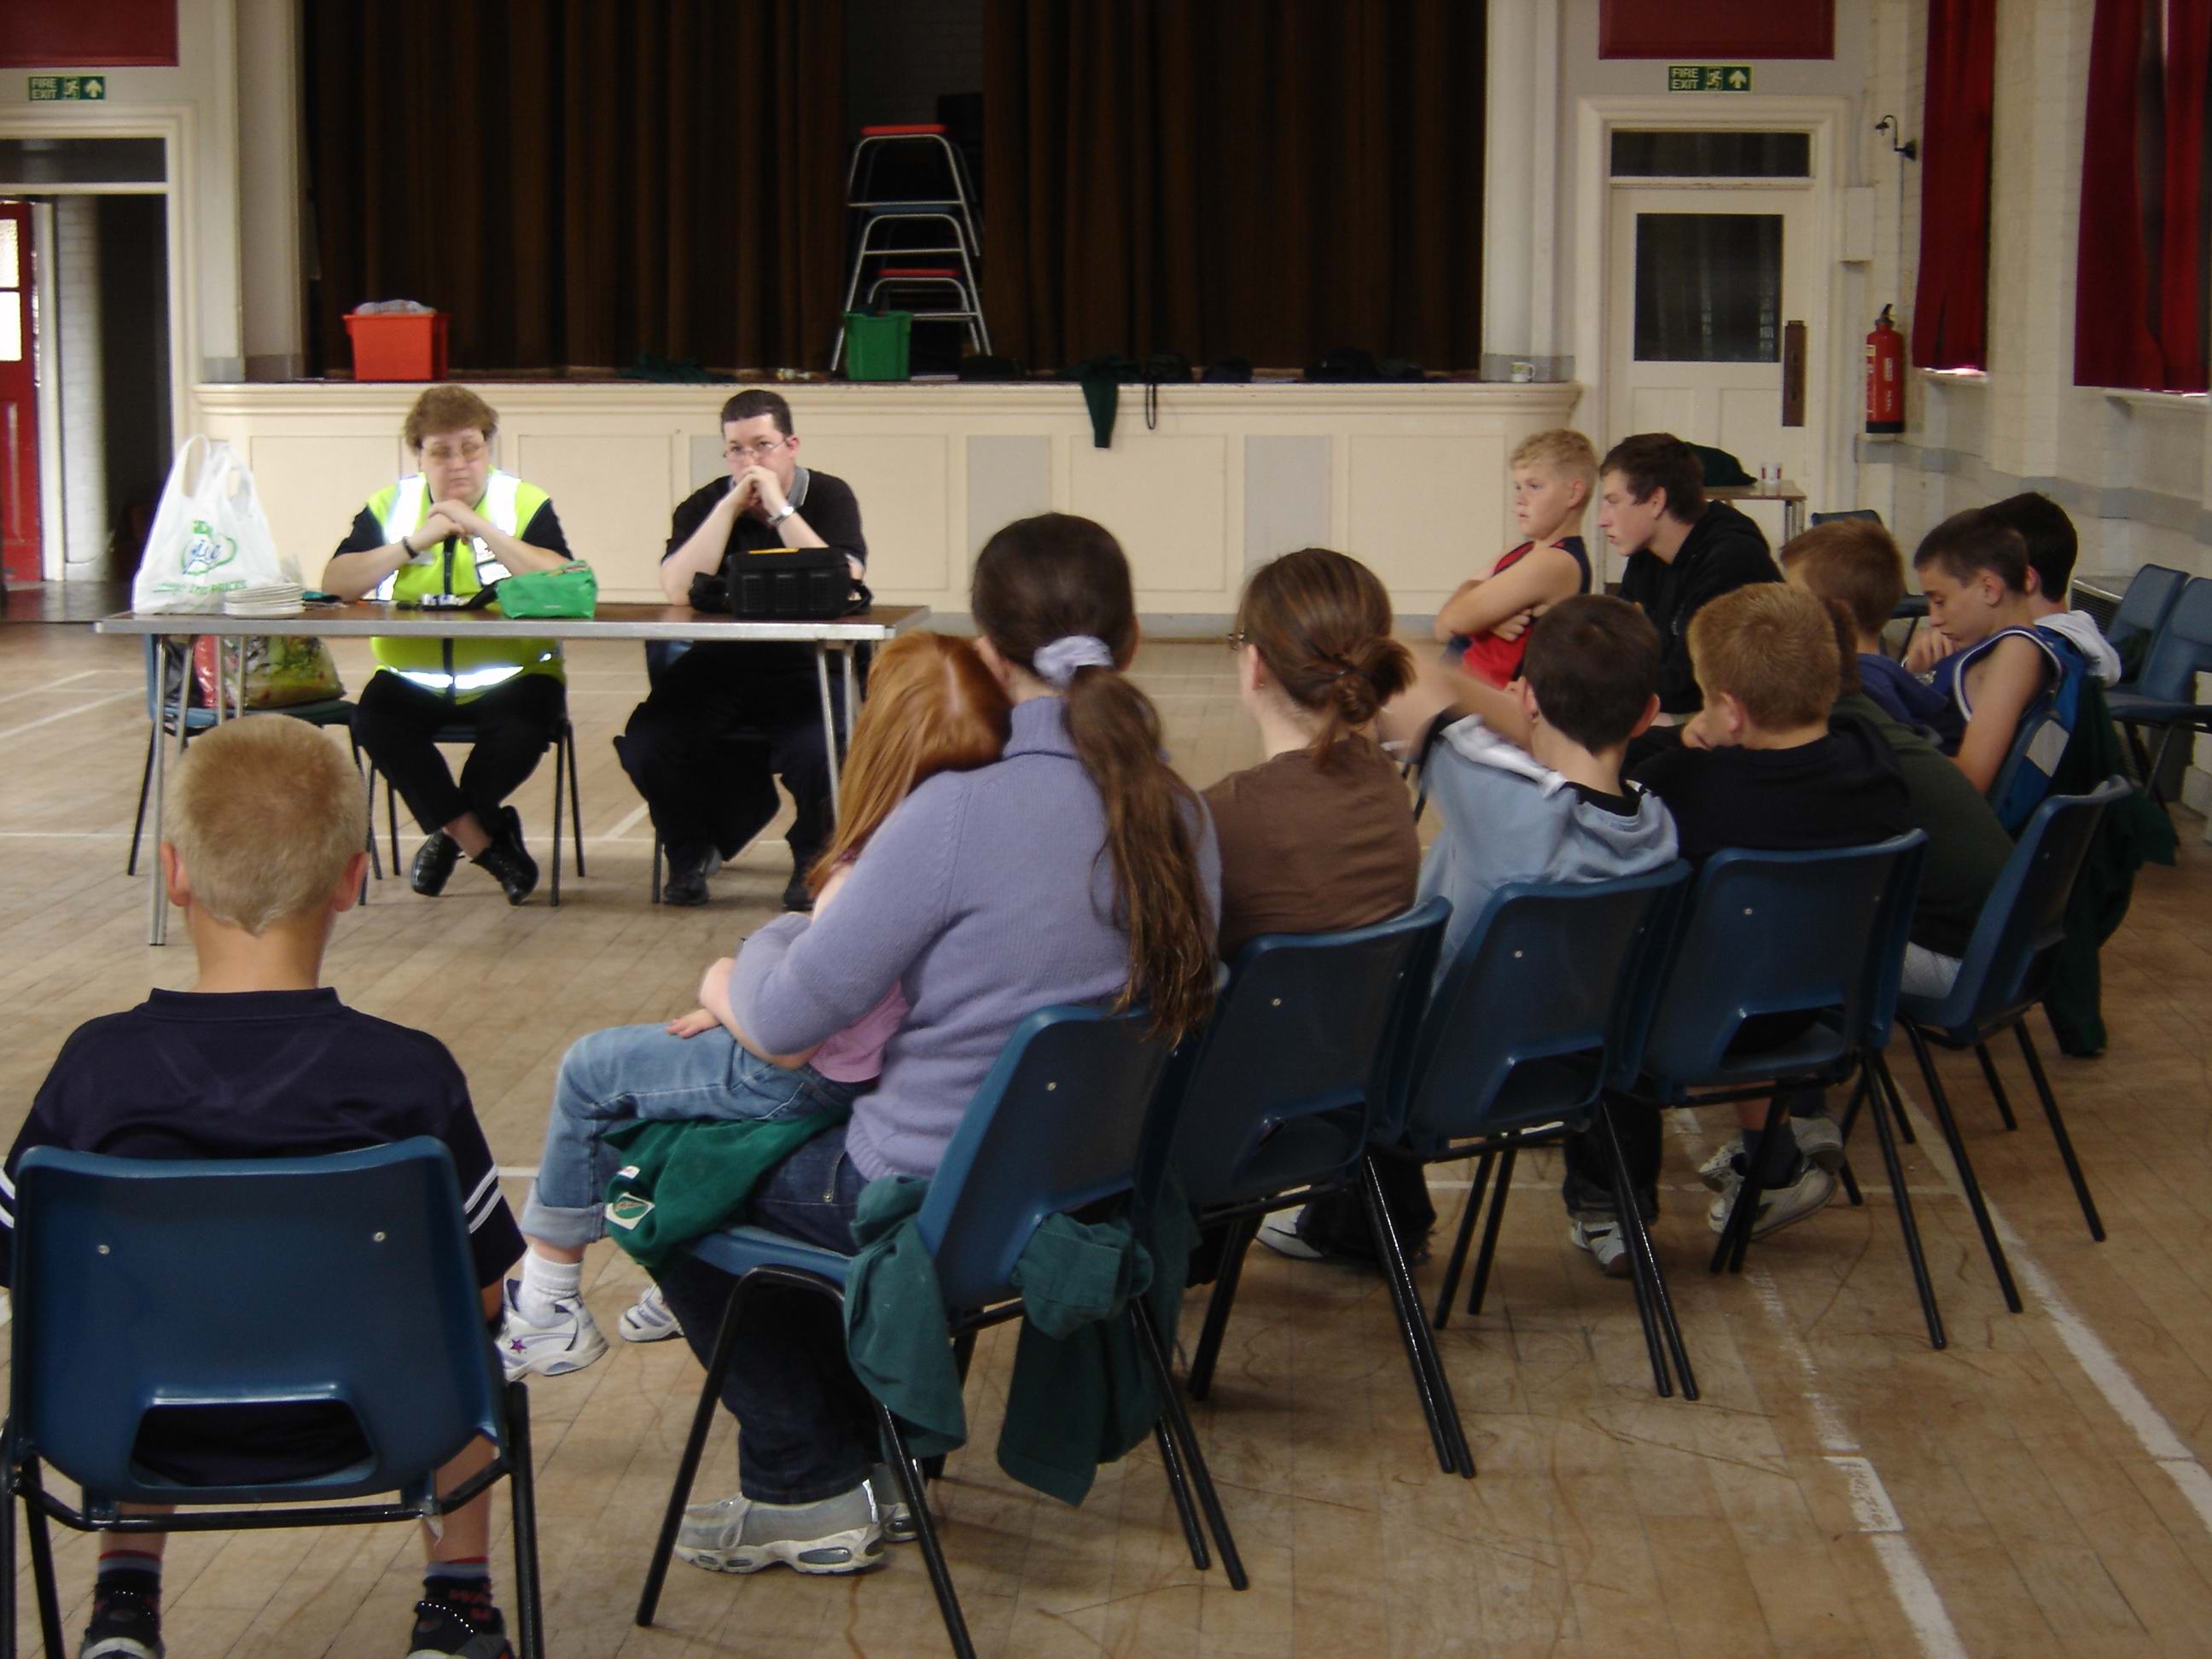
(1841, 1489)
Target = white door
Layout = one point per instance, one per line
(1705, 281)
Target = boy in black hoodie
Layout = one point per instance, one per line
(1683, 550)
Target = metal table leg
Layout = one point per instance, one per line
(829, 718)
(157, 920)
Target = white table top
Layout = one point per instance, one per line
(612, 622)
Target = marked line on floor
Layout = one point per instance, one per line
(68, 713)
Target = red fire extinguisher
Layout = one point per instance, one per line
(1885, 385)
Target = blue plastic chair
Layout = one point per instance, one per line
(1276, 1105)
(209, 1285)
(2005, 972)
(461, 729)
(2144, 606)
(1541, 1008)
(1057, 1126)
(162, 714)
(2164, 693)
(1818, 935)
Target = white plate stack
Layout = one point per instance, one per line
(277, 599)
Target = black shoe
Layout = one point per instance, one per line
(434, 863)
(440, 1629)
(507, 861)
(688, 870)
(796, 894)
(125, 1625)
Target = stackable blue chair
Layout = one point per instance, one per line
(2164, 698)
(1816, 934)
(1546, 1003)
(148, 1290)
(1276, 1104)
(2144, 606)
(2005, 972)
(1057, 1126)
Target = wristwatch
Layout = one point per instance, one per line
(778, 518)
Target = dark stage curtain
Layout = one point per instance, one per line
(1951, 306)
(2140, 288)
(1263, 181)
(579, 182)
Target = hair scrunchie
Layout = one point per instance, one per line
(1056, 663)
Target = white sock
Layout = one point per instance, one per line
(544, 1282)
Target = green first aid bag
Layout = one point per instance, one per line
(571, 591)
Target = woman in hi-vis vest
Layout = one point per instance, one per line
(456, 526)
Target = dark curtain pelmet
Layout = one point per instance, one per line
(1265, 181)
(580, 181)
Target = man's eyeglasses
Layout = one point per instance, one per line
(759, 452)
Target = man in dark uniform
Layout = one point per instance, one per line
(725, 719)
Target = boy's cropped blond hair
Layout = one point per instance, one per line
(1773, 649)
(1563, 453)
(263, 813)
(1854, 562)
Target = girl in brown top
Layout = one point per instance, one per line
(1319, 836)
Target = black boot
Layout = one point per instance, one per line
(796, 894)
(434, 864)
(688, 870)
(507, 861)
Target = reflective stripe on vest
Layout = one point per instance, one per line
(457, 668)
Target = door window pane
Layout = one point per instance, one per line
(11, 261)
(1709, 287)
(1728, 155)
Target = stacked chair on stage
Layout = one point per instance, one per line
(916, 233)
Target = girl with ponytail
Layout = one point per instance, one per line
(1319, 836)
(1075, 868)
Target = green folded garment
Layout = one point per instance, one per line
(691, 1177)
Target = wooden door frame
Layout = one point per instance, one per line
(1822, 120)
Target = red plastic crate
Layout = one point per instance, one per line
(398, 345)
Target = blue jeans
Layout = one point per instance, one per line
(807, 1429)
(633, 1073)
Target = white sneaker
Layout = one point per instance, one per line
(1279, 1233)
(1719, 1172)
(1599, 1233)
(1821, 1139)
(1779, 1206)
(569, 1343)
(890, 1508)
(739, 1536)
(648, 1320)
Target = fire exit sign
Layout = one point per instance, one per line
(68, 89)
(1709, 77)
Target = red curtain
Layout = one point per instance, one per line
(2139, 316)
(1951, 306)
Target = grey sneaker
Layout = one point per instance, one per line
(1820, 1139)
(1719, 1172)
(890, 1508)
(1599, 1232)
(1779, 1206)
(649, 1319)
(841, 1534)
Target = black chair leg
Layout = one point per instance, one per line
(1488, 1253)
(1743, 1215)
(7, 1562)
(1154, 1353)
(522, 1495)
(560, 773)
(1893, 1167)
(656, 866)
(1193, 1534)
(687, 1469)
(1460, 1245)
(391, 815)
(924, 1528)
(1639, 1240)
(1997, 1085)
(1202, 1359)
(1959, 1161)
(1453, 1453)
(145, 785)
(1848, 1175)
(575, 800)
(2058, 1132)
(42, 1560)
(1639, 1269)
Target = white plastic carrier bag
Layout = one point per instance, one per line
(210, 536)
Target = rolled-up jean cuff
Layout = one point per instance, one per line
(572, 1228)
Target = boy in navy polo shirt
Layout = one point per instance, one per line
(265, 829)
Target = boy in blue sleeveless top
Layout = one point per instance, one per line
(2016, 686)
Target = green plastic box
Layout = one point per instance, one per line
(878, 347)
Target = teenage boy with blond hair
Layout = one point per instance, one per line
(1765, 766)
(263, 850)
(1484, 625)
